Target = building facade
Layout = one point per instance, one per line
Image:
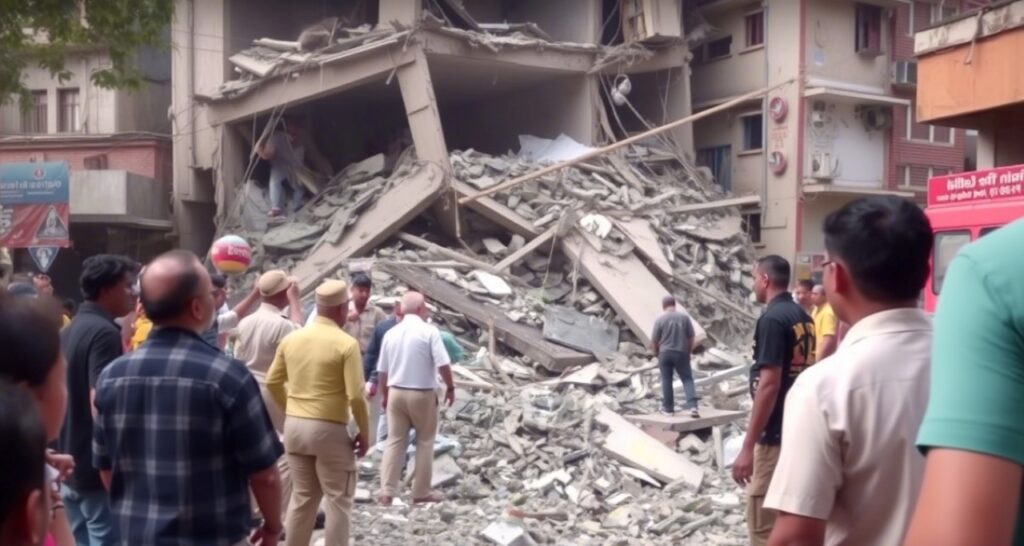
(117, 144)
(441, 78)
(838, 123)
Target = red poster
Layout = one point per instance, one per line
(45, 224)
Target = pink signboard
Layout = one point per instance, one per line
(976, 187)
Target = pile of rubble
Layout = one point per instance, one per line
(528, 457)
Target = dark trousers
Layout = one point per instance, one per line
(678, 362)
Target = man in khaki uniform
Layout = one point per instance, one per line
(258, 337)
(317, 378)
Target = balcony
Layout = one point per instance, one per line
(118, 198)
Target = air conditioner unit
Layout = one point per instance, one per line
(904, 73)
(818, 118)
(822, 166)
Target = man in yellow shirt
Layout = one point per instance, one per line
(317, 378)
(825, 324)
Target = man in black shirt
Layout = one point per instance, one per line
(783, 347)
(90, 343)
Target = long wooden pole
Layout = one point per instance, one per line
(624, 142)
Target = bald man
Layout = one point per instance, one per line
(179, 413)
(412, 355)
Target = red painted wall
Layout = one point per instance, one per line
(147, 157)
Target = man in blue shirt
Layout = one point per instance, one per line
(181, 433)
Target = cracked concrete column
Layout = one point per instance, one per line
(427, 132)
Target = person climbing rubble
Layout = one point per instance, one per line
(287, 149)
(672, 343)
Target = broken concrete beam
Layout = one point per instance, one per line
(731, 202)
(630, 288)
(253, 65)
(639, 231)
(446, 252)
(279, 45)
(567, 326)
(627, 443)
(722, 376)
(682, 422)
(514, 258)
(522, 338)
(402, 202)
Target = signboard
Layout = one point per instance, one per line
(43, 256)
(34, 205)
(977, 187)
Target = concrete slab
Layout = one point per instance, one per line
(520, 337)
(682, 422)
(639, 231)
(630, 445)
(567, 326)
(395, 207)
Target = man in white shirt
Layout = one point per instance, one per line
(412, 355)
(849, 473)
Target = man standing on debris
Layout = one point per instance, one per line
(228, 320)
(847, 473)
(411, 357)
(181, 433)
(317, 378)
(972, 431)
(259, 334)
(286, 151)
(672, 343)
(362, 317)
(802, 295)
(826, 324)
(783, 347)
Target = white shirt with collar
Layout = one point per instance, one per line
(848, 454)
(411, 353)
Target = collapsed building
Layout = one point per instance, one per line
(464, 151)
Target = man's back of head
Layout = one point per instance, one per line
(668, 303)
(880, 249)
(24, 500)
(177, 291)
(413, 303)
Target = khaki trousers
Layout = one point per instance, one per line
(409, 409)
(760, 520)
(323, 463)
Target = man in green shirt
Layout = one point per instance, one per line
(973, 431)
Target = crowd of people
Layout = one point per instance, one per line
(159, 416)
(165, 417)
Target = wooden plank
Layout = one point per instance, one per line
(628, 286)
(529, 247)
(682, 422)
(447, 252)
(639, 231)
(628, 444)
(731, 202)
(522, 338)
(406, 199)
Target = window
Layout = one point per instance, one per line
(719, 160)
(918, 175)
(753, 132)
(947, 244)
(752, 226)
(717, 49)
(755, 29)
(33, 118)
(868, 35)
(926, 133)
(942, 11)
(920, 16)
(70, 111)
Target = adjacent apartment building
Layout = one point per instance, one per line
(839, 123)
(117, 144)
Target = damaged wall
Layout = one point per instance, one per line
(494, 123)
